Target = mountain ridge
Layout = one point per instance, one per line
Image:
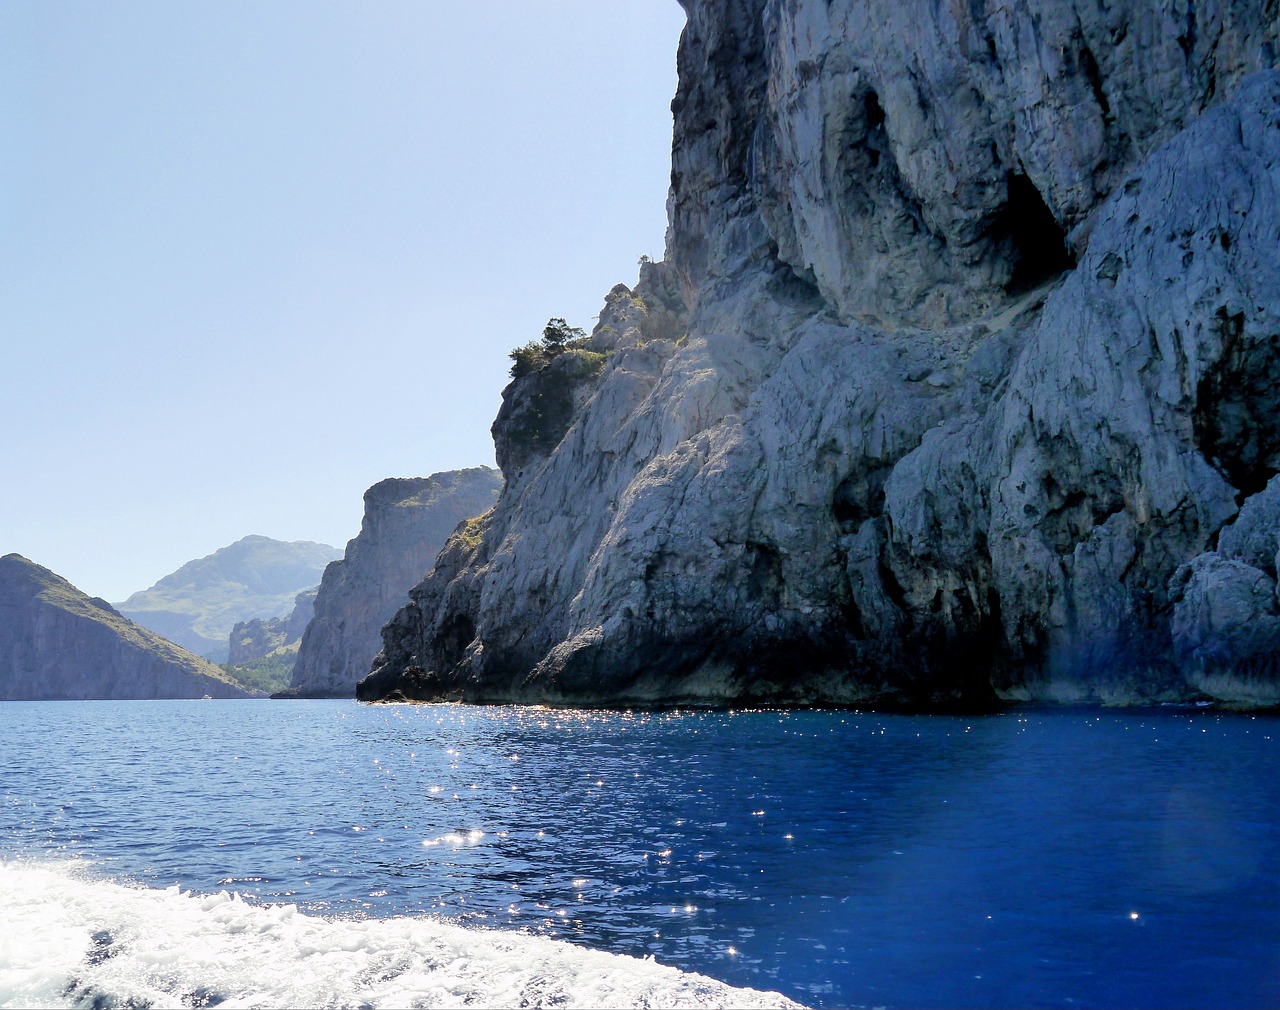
(198, 604)
(58, 643)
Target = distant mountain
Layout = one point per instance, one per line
(199, 604)
(56, 643)
(406, 522)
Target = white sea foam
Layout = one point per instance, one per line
(68, 939)
(458, 839)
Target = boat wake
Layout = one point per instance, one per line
(72, 940)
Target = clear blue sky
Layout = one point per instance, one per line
(260, 255)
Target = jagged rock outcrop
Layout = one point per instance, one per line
(199, 604)
(1226, 615)
(970, 343)
(250, 640)
(406, 522)
(58, 644)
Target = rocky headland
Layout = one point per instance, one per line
(406, 523)
(198, 605)
(58, 644)
(959, 383)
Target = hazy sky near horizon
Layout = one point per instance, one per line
(259, 256)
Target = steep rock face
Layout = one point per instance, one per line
(983, 316)
(406, 522)
(1120, 446)
(58, 644)
(199, 604)
(920, 157)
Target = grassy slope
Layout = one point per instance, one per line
(271, 673)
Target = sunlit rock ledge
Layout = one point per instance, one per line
(962, 364)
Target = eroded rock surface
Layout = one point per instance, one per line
(1226, 616)
(966, 341)
(406, 522)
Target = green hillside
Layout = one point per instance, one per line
(199, 604)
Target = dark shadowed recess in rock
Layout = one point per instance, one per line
(1036, 241)
(869, 156)
(960, 659)
(860, 495)
(1237, 418)
(457, 632)
(793, 286)
(1089, 64)
(763, 566)
(877, 142)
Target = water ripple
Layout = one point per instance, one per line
(1114, 860)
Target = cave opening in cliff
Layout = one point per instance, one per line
(1237, 414)
(455, 635)
(1037, 243)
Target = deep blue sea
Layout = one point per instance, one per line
(1030, 859)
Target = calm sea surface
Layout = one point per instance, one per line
(1060, 858)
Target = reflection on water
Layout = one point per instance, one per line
(1024, 859)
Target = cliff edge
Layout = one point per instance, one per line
(406, 523)
(959, 384)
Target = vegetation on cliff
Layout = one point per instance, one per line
(266, 674)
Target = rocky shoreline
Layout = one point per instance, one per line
(961, 368)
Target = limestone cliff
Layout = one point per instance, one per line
(963, 362)
(56, 643)
(406, 522)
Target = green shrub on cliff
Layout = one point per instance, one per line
(528, 358)
(538, 415)
(557, 337)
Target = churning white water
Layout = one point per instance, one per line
(69, 939)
